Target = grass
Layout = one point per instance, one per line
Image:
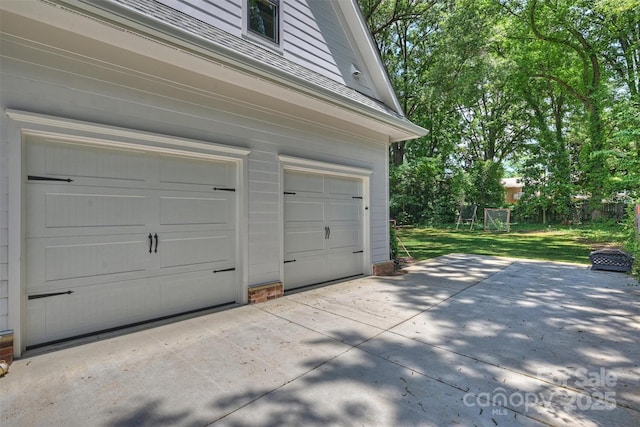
(554, 243)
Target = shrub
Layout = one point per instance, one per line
(632, 244)
(393, 242)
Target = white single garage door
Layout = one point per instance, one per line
(115, 237)
(323, 228)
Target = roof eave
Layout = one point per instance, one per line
(395, 126)
(371, 55)
(400, 128)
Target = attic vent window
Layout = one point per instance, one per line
(264, 18)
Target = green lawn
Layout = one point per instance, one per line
(557, 243)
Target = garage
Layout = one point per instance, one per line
(323, 228)
(144, 149)
(117, 236)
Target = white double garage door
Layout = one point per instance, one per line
(115, 237)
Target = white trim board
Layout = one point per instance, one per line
(199, 55)
(87, 131)
(306, 165)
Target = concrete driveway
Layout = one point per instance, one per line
(459, 340)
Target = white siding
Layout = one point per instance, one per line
(223, 14)
(314, 38)
(264, 219)
(4, 222)
(78, 89)
(307, 34)
(312, 35)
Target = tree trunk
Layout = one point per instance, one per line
(397, 152)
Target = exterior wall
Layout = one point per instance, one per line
(65, 85)
(512, 194)
(314, 38)
(312, 35)
(4, 222)
(223, 14)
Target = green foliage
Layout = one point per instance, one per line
(483, 185)
(623, 158)
(632, 241)
(421, 193)
(393, 243)
(547, 90)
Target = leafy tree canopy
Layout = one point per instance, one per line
(548, 90)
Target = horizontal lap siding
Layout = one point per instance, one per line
(314, 38)
(380, 215)
(223, 14)
(4, 225)
(312, 35)
(80, 91)
(305, 38)
(264, 230)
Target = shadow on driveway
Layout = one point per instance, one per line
(458, 340)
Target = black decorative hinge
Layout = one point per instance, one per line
(233, 190)
(290, 192)
(289, 260)
(225, 269)
(358, 252)
(49, 295)
(46, 178)
(357, 197)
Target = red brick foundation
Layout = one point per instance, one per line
(266, 292)
(383, 268)
(6, 346)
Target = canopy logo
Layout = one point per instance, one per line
(578, 389)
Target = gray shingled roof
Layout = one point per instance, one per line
(217, 40)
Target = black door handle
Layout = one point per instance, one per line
(326, 233)
(329, 233)
(150, 242)
(156, 236)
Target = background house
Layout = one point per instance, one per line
(513, 189)
(161, 157)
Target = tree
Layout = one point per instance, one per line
(622, 19)
(547, 160)
(549, 86)
(401, 29)
(569, 26)
(424, 193)
(546, 174)
(484, 188)
(495, 125)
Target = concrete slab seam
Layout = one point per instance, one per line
(451, 296)
(406, 320)
(475, 359)
(441, 381)
(352, 347)
(281, 385)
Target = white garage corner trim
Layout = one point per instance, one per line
(48, 129)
